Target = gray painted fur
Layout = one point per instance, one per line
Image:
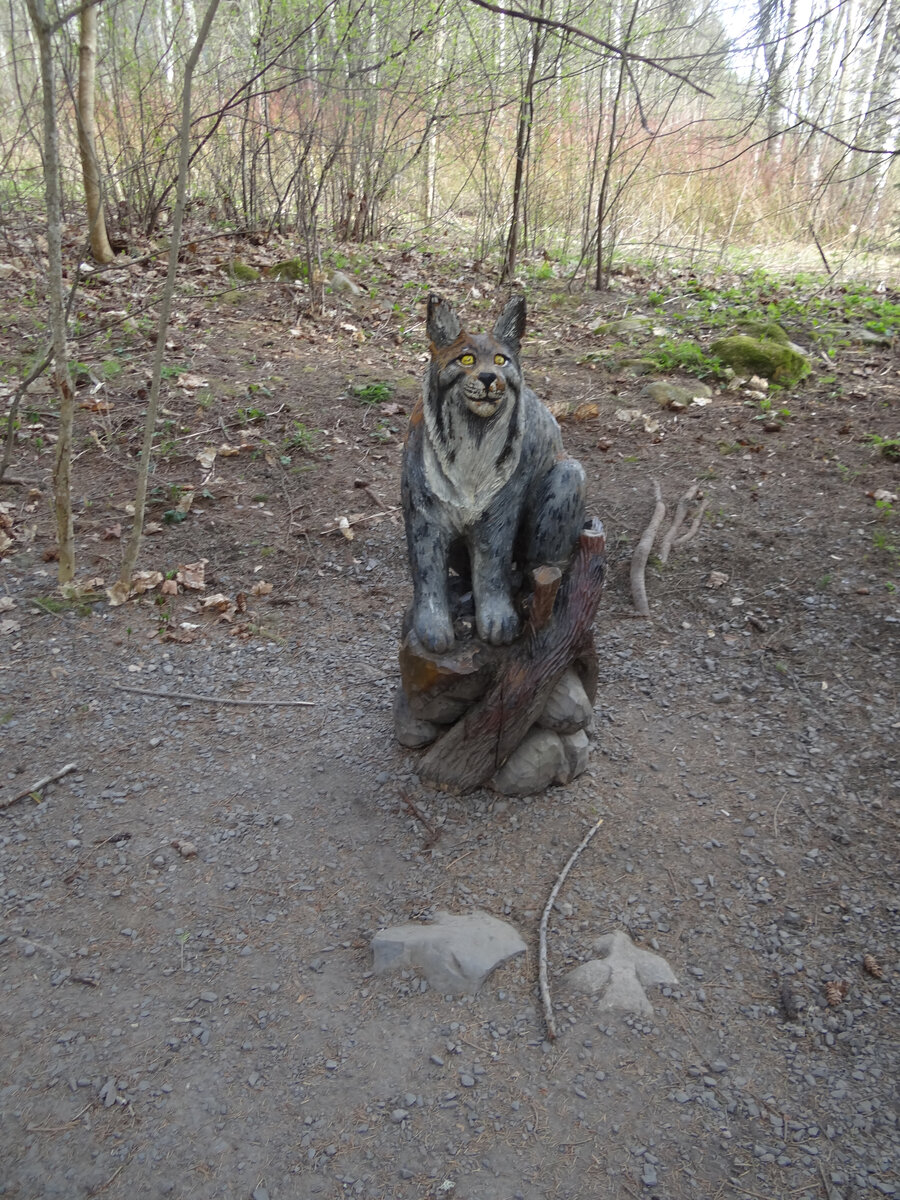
(484, 472)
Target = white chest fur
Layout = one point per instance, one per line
(467, 480)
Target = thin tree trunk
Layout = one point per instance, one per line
(62, 463)
(87, 128)
(523, 142)
(120, 591)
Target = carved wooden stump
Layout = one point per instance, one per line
(511, 717)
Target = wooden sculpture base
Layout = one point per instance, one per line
(511, 717)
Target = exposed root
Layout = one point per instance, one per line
(642, 553)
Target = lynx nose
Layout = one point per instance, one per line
(487, 378)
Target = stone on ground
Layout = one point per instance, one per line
(456, 954)
(568, 707)
(619, 977)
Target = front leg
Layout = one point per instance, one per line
(429, 547)
(495, 615)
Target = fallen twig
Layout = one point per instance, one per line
(433, 832)
(216, 699)
(356, 521)
(542, 948)
(677, 521)
(41, 783)
(642, 553)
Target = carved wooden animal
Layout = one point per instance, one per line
(486, 486)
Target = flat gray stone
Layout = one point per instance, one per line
(456, 954)
(618, 978)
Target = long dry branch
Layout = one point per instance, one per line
(543, 980)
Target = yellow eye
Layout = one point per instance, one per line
(499, 359)
(467, 359)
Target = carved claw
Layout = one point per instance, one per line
(434, 630)
(498, 622)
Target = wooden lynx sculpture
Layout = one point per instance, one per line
(491, 502)
(486, 483)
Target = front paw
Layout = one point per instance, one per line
(434, 629)
(498, 622)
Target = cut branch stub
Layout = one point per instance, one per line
(546, 585)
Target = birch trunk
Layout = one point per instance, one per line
(62, 463)
(90, 170)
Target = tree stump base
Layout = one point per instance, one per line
(514, 717)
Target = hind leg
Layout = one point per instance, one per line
(555, 515)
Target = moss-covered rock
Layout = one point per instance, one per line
(626, 326)
(765, 331)
(674, 395)
(762, 356)
(238, 269)
(291, 269)
(634, 366)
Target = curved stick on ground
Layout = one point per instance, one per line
(542, 947)
(694, 526)
(642, 553)
(677, 521)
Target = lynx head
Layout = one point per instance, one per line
(481, 370)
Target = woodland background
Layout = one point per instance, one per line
(576, 130)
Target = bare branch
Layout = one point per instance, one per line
(582, 35)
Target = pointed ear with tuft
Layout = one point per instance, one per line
(511, 323)
(442, 324)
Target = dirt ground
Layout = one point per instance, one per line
(188, 1003)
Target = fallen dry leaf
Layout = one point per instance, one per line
(585, 412)
(344, 526)
(113, 532)
(218, 602)
(191, 575)
(261, 588)
(628, 414)
(184, 504)
(169, 587)
(189, 381)
(8, 626)
(560, 409)
(145, 581)
(716, 579)
(206, 458)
